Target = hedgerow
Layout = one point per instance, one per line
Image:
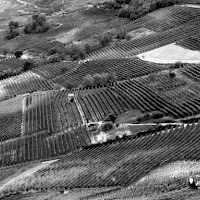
(138, 8)
(98, 79)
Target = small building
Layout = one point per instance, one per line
(71, 97)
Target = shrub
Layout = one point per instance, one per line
(156, 115)
(29, 64)
(110, 117)
(178, 65)
(88, 80)
(105, 39)
(107, 126)
(172, 74)
(12, 34)
(68, 85)
(121, 33)
(124, 12)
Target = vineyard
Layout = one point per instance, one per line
(124, 68)
(147, 43)
(111, 168)
(60, 137)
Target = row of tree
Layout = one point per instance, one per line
(138, 8)
(98, 79)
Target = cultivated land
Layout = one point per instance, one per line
(49, 146)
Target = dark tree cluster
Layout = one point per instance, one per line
(115, 4)
(37, 25)
(176, 65)
(98, 79)
(79, 51)
(138, 8)
(13, 32)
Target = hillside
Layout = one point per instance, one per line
(99, 100)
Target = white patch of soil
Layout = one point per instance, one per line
(68, 36)
(170, 54)
(140, 33)
(192, 5)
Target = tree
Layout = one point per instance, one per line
(37, 24)
(107, 126)
(96, 79)
(88, 80)
(172, 74)
(28, 29)
(68, 85)
(18, 54)
(13, 25)
(178, 65)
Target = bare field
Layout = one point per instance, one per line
(170, 54)
(140, 33)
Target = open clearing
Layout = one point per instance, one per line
(170, 54)
(140, 33)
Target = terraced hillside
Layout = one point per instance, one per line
(120, 163)
(47, 114)
(124, 68)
